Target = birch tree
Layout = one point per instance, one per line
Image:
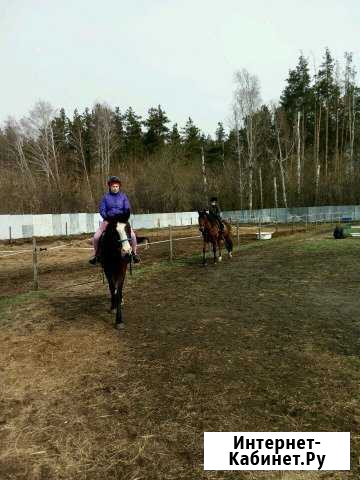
(105, 138)
(246, 102)
(236, 126)
(38, 129)
(77, 141)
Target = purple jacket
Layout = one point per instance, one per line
(114, 204)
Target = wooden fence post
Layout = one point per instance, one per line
(259, 228)
(10, 239)
(35, 265)
(171, 243)
(238, 234)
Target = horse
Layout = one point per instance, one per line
(115, 255)
(211, 233)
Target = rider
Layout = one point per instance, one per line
(214, 211)
(113, 203)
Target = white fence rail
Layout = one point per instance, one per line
(26, 226)
(49, 225)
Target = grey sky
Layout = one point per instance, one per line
(181, 54)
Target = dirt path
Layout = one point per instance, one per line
(266, 342)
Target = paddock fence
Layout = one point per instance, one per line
(66, 224)
(258, 221)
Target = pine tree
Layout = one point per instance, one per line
(133, 134)
(120, 134)
(192, 139)
(297, 93)
(157, 131)
(60, 125)
(174, 136)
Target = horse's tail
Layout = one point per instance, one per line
(227, 236)
(228, 226)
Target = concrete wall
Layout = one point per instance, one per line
(25, 226)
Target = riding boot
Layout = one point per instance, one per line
(136, 258)
(93, 260)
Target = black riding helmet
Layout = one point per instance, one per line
(213, 199)
(113, 179)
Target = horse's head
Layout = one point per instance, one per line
(120, 234)
(203, 220)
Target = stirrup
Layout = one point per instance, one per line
(94, 260)
(136, 258)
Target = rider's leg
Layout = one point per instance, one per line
(96, 239)
(134, 246)
(221, 225)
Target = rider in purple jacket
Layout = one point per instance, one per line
(115, 202)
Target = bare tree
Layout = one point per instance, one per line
(77, 141)
(278, 156)
(235, 123)
(38, 129)
(246, 103)
(203, 169)
(105, 134)
(298, 154)
(15, 139)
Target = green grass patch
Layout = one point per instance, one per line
(347, 245)
(6, 303)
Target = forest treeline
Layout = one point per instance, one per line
(302, 151)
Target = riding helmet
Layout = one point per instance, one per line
(114, 179)
(213, 199)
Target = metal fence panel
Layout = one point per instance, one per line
(23, 226)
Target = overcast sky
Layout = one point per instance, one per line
(181, 54)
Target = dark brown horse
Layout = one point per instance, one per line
(115, 255)
(211, 232)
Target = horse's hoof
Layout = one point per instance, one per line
(120, 326)
(220, 259)
(230, 255)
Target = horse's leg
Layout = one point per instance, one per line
(228, 242)
(111, 284)
(118, 318)
(119, 295)
(214, 249)
(219, 246)
(229, 246)
(204, 253)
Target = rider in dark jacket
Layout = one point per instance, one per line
(214, 211)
